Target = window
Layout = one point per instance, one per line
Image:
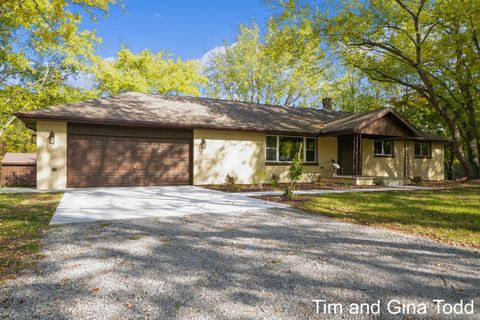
(423, 150)
(284, 149)
(383, 148)
(271, 148)
(311, 148)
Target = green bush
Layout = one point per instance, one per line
(417, 179)
(379, 181)
(231, 182)
(295, 173)
(288, 193)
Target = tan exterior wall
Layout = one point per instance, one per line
(51, 160)
(382, 166)
(326, 151)
(429, 168)
(242, 154)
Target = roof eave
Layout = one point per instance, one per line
(24, 117)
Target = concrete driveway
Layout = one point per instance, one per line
(94, 204)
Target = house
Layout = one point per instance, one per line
(136, 139)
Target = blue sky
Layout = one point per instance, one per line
(186, 28)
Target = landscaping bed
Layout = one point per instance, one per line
(282, 186)
(450, 215)
(23, 218)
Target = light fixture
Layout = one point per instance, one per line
(34, 138)
(203, 144)
(51, 138)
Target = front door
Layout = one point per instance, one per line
(345, 155)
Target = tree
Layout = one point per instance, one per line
(430, 47)
(148, 72)
(285, 66)
(295, 173)
(41, 48)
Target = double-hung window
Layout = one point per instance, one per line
(423, 150)
(285, 149)
(383, 148)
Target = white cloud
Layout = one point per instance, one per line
(109, 59)
(157, 15)
(81, 80)
(210, 54)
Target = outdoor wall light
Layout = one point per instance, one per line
(34, 138)
(51, 138)
(203, 144)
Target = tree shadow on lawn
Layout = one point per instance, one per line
(255, 264)
(419, 209)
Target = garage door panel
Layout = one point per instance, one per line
(127, 161)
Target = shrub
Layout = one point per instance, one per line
(274, 180)
(288, 193)
(417, 179)
(379, 181)
(295, 172)
(230, 182)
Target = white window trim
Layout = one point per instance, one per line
(278, 148)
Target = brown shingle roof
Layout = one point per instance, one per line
(142, 108)
(19, 159)
(194, 112)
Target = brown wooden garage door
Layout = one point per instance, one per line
(102, 160)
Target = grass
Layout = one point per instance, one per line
(449, 216)
(23, 217)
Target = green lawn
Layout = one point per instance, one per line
(450, 216)
(23, 217)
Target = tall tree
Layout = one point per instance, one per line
(41, 48)
(285, 66)
(148, 72)
(431, 47)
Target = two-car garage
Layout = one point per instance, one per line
(106, 155)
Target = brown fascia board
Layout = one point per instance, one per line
(23, 116)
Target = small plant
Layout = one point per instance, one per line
(295, 172)
(259, 178)
(274, 180)
(230, 182)
(288, 193)
(417, 180)
(379, 181)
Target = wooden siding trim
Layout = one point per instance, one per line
(129, 131)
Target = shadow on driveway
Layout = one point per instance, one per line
(258, 264)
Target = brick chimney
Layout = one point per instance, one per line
(327, 104)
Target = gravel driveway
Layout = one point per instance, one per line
(254, 265)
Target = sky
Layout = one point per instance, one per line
(188, 28)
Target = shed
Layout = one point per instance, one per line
(19, 169)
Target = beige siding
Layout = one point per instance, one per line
(381, 166)
(326, 151)
(240, 154)
(51, 159)
(431, 168)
